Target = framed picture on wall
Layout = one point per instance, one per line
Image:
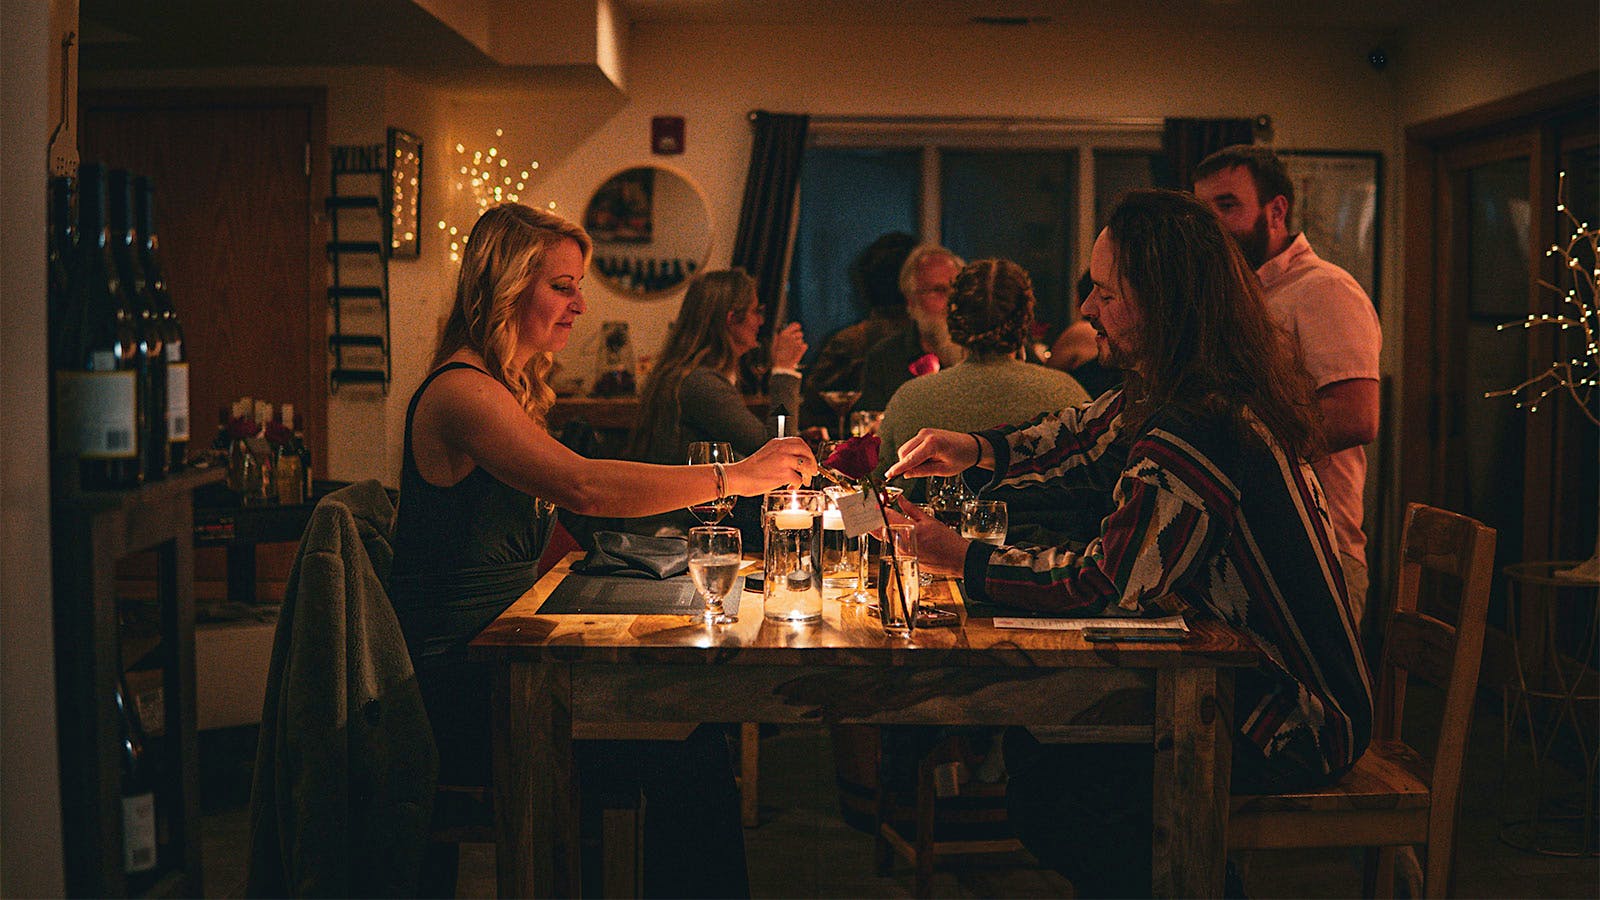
(1338, 203)
(623, 209)
(404, 200)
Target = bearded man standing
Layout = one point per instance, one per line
(1330, 316)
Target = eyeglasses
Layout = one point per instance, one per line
(943, 289)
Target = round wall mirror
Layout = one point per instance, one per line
(651, 230)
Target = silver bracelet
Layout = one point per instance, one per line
(722, 481)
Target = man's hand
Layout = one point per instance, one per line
(934, 451)
(940, 550)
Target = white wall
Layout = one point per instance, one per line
(30, 789)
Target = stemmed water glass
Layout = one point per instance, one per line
(840, 402)
(703, 453)
(715, 554)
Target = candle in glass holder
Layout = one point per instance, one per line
(792, 587)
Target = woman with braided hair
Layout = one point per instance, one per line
(991, 315)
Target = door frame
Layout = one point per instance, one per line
(1527, 120)
(315, 100)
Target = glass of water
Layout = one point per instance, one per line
(984, 520)
(715, 554)
(899, 589)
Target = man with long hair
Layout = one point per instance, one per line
(1215, 513)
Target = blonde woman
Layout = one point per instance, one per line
(692, 394)
(480, 477)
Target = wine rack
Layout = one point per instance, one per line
(91, 532)
(359, 258)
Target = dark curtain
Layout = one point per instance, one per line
(765, 218)
(1187, 141)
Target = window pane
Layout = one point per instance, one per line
(1021, 205)
(848, 197)
(1117, 172)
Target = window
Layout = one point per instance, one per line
(1035, 195)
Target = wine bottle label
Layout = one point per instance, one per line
(177, 401)
(96, 414)
(139, 832)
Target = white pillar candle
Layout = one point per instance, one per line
(788, 519)
(832, 520)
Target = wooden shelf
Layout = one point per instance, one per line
(91, 530)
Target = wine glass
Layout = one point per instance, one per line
(715, 554)
(840, 402)
(984, 520)
(703, 453)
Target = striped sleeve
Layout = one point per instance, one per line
(1172, 512)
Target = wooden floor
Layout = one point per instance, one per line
(803, 848)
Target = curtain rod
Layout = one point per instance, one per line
(982, 123)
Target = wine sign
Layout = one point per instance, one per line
(351, 159)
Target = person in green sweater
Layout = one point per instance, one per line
(991, 315)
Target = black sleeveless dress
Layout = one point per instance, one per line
(462, 554)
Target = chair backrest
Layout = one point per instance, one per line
(1416, 643)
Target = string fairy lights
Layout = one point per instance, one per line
(1577, 376)
(485, 178)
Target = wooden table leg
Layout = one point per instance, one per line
(1193, 753)
(535, 787)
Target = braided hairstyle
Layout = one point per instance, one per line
(991, 309)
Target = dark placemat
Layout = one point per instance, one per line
(979, 609)
(614, 595)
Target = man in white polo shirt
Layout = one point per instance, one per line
(1330, 315)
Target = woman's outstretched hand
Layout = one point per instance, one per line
(788, 346)
(779, 462)
(934, 451)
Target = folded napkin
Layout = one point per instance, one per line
(635, 556)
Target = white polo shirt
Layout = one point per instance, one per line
(1333, 319)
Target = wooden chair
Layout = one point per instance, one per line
(1394, 798)
(972, 823)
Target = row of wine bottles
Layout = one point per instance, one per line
(116, 345)
(633, 273)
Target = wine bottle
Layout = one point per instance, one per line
(167, 317)
(152, 351)
(97, 375)
(304, 450)
(138, 793)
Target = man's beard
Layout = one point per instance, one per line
(1254, 242)
(935, 332)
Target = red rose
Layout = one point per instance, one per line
(855, 457)
(241, 427)
(279, 434)
(926, 364)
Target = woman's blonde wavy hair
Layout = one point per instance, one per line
(504, 251)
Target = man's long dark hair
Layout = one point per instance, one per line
(1208, 341)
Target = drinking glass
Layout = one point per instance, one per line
(946, 494)
(703, 453)
(840, 402)
(865, 421)
(899, 587)
(792, 580)
(715, 555)
(984, 520)
(841, 555)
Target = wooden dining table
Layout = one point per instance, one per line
(557, 673)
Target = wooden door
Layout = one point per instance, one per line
(1481, 213)
(237, 213)
(239, 181)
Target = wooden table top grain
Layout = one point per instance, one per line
(848, 634)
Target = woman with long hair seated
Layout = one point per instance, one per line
(692, 393)
(480, 479)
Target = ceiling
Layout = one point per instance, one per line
(119, 34)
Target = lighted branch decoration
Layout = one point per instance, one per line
(1579, 375)
(485, 178)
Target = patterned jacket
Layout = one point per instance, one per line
(1208, 525)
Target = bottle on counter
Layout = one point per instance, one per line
(171, 329)
(98, 377)
(152, 350)
(304, 451)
